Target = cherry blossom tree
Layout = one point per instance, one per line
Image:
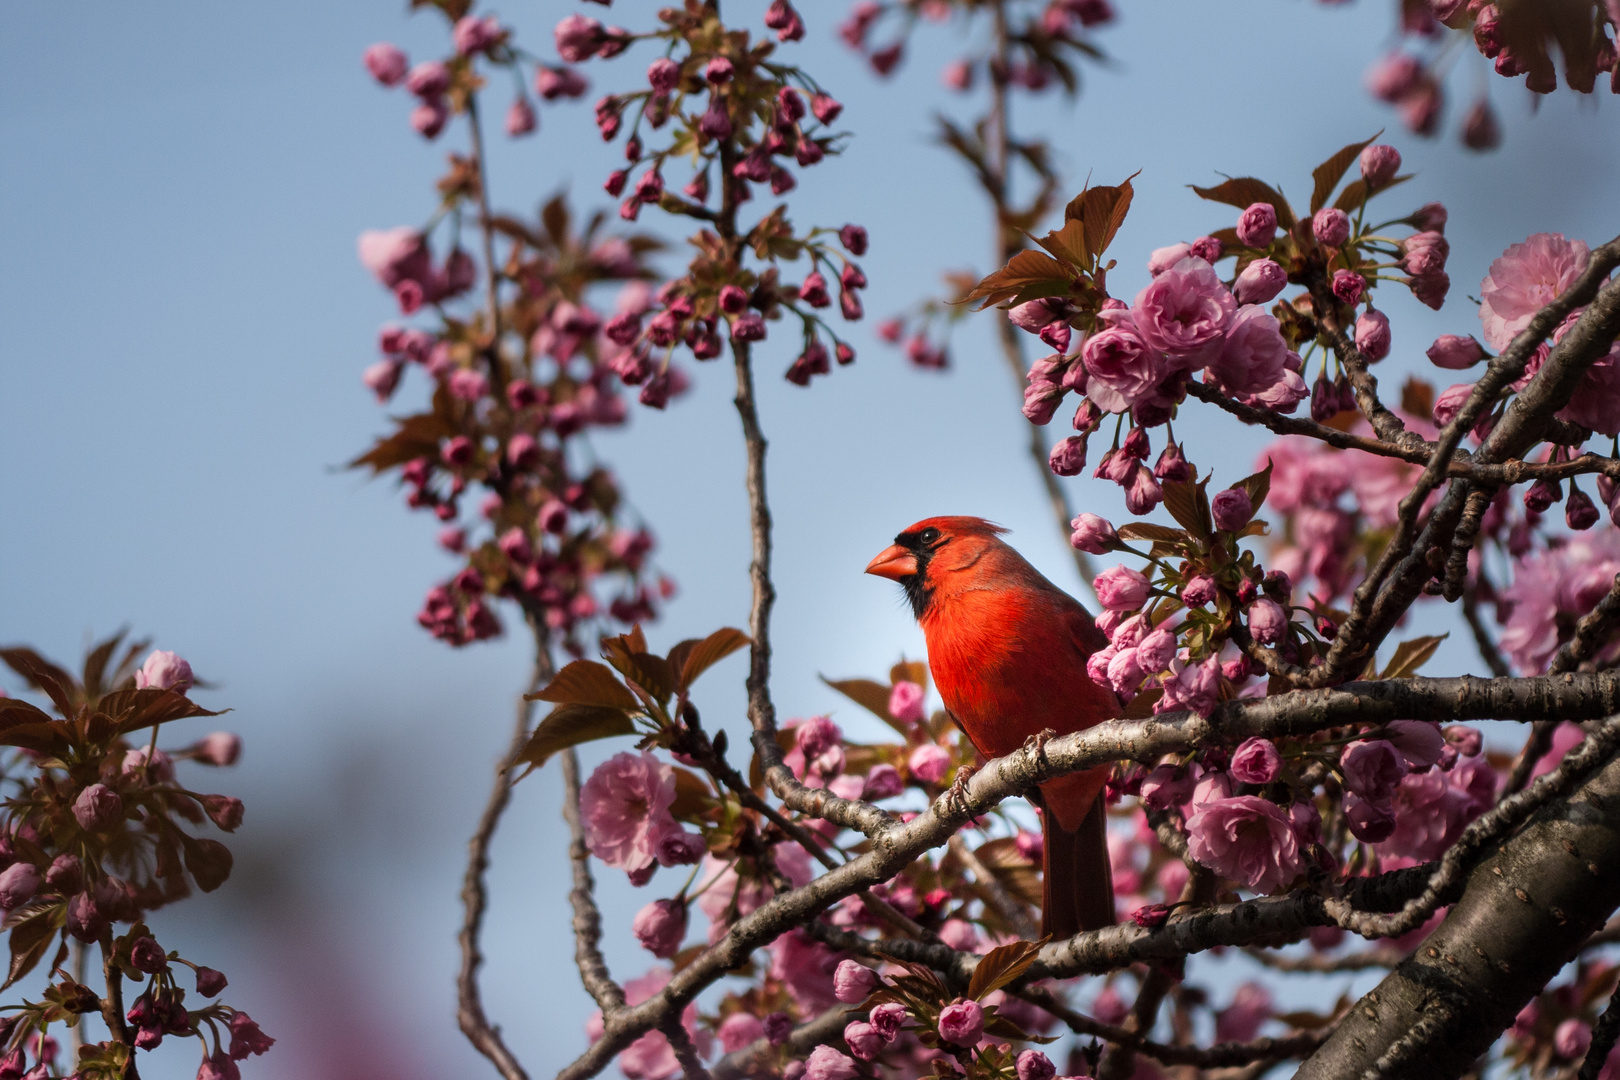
(1284, 780)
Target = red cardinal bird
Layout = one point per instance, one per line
(1008, 652)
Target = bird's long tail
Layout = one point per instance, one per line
(1077, 881)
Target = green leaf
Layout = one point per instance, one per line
(1411, 655)
(586, 682)
(1328, 174)
(1001, 966)
(693, 657)
(571, 724)
(1243, 190)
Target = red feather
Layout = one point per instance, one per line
(1008, 650)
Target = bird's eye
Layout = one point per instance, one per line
(928, 535)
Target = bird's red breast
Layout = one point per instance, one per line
(1006, 647)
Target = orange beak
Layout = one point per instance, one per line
(893, 562)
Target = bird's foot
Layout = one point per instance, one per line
(957, 798)
(1036, 744)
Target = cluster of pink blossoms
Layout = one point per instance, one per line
(741, 119)
(438, 85)
(1042, 34)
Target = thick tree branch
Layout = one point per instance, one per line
(1526, 910)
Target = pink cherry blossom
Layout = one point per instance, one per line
(1253, 356)
(806, 967)
(929, 763)
(625, 805)
(1121, 368)
(906, 701)
(1184, 312)
(1433, 807)
(1523, 280)
(1193, 687)
(1260, 282)
(1372, 769)
(1240, 1021)
(1256, 761)
(1247, 839)
(163, 670)
(1257, 225)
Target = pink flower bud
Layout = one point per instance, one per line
(1571, 1039)
(579, 38)
(1092, 534)
(521, 118)
(732, 299)
(1480, 129)
(84, 920)
(163, 670)
(854, 239)
(663, 74)
(65, 874)
(962, 1023)
(1579, 512)
(148, 956)
(906, 702)
(778, 1026)
(428, 79)
(18, 884)
(853, 983)
(864, 1040)
(1198, 591)
(825, 1063)
(1260, 282)
(1231, 509)
(1372, 335)
(1430, 289)
(386, 63)
(223, 810)
(146, 762)
(1154, 652)
(210, 982)
(1257, 226)
(1162, 259)
(1267, 621)
(1429, 217)
(98, 807)
(1465, 739)
(719, 70)
(427, 119)
(1379, 164)
(1120, 588)
(749, 326)
(661, 927)
(1348, 287)
(1331, 227)
(1256, 761)
(246, 1038)
(1068, 457)
(1208, 248)
(883, 782)
(474, 35)
(553, 83)
(1394, 77)
(929, 763)
(1455, 352)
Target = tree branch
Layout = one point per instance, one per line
(593, 971)
(1590, 633)
(1525, 911)
(484, 1036)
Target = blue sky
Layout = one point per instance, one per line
(182, 327)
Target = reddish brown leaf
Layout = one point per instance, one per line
(1328, 174)
(1029, 275)
(692, 657)
(209, 861)
(417, 436)
(569, 725)
(32, 930)
(586, 682)
(1243, 190)
(1000, 966)
(132, 709)
(870, 694)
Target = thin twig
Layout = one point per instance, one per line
(1536, 745)
(112, 1006)
(1380, 956)
(486, 222)
(1590, 633)
(485, 1036)
(593, 971)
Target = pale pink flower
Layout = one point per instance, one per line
(1379, 163)
(1247, 839)
(163, 670)
(1166, 786)
(825, 1063)
(1121, 368)
(394, 255)
(1193, 687)
(1260, 282)
(1184, 312)
(929, 763)
(1566, 737)
(1154, 652)
(1162, 259)
(1253, 356)
(625, 805)
(1092, 534)
(854, 982)
(1450, 402)
(1568, 580)
(1523, 280)
(1372, 769)
(962, 1023)
(386, 63)
(1433, 807)
(1256, 761)
(1596, 403)
(1419, 742)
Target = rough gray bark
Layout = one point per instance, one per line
(1526, 911)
